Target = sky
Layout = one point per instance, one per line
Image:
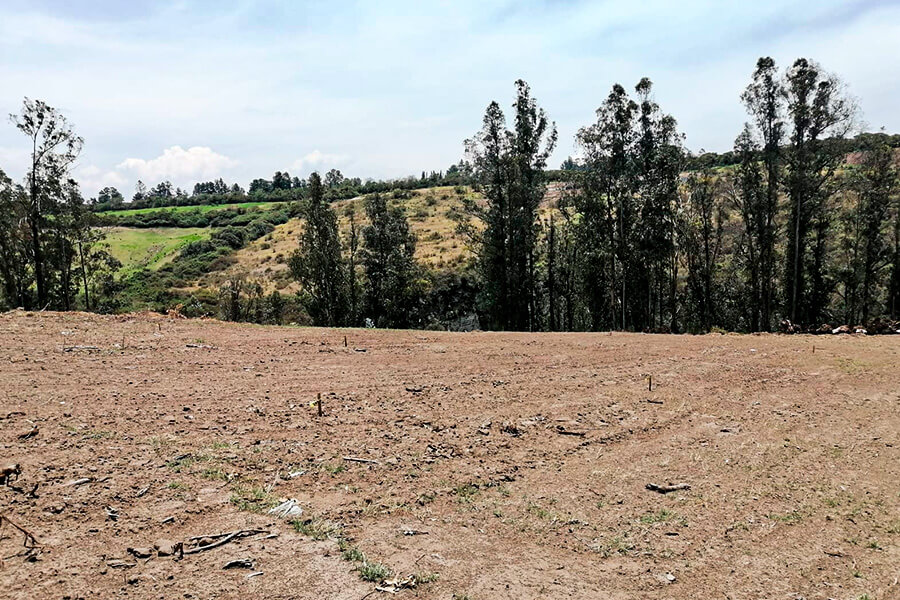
(191, 90)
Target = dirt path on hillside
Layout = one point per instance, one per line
(488, 465)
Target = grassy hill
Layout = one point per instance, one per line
(150, 248)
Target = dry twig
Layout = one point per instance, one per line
(667, 489)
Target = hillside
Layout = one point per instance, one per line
(264, 260)
(149, 248)
(429, 213)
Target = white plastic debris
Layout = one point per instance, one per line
(287, 510)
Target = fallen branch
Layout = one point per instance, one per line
(563, 431)
(30, 543)
(224, 540)
(654, 401)
(76, 482)
(87, 348)
(668, 489)
(212, 536)
(361, 460)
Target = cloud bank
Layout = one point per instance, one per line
(393, 88)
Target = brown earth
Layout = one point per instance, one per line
(521, 460)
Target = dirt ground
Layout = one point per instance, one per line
(505, 465)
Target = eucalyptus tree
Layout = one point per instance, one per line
(318, 264)
(15, 273)
(605, 205)
(54, 147)
(658, 160)
(700, 235)
(627, 201)
(764, 99)
(388, 259)
(509, 166)
(875, 185)
(820, 115)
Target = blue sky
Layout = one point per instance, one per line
(188, 90)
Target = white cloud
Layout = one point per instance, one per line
(14, 161)
(92, 179)
(179, 165)
(316, 160)
(374, 99)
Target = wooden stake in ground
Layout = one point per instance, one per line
(319, 402)
(649, 383)
(345, 341)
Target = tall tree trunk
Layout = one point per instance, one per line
(551, 275)
(84, 277)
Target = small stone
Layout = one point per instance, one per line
(166, 547)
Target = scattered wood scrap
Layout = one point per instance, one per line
(392, 586)
(668, 489)
(31, 547)
(81, 348)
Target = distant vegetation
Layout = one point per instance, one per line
(797, 226)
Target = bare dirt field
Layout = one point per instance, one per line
(501, 465)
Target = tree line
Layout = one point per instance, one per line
(797, 229)
(282, 187)
(794, 234)
(791, 235)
